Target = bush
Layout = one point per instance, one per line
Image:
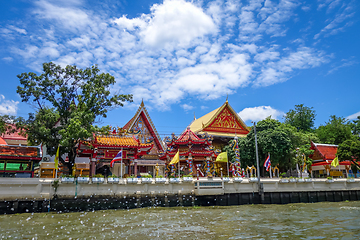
(160, 176)
(112, 176)
(146, 176)
(98, 175)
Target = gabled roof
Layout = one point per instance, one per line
(324, 151)
(13, 135)
(223, 121)
(2, 141)
(149, 124)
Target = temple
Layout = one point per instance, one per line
(140, 144)
(223, 124)
(196, 155)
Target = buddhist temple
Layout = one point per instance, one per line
(322, 157)
(139, 142)
(195, 153)
(223, 124)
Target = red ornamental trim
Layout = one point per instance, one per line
(225, 130)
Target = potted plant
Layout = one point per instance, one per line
(308, 179)
(239, 179)
(300, 180)
(132, 179)
(146, 178)
(160, 179)
(67, 179)
(292, 179)
(187, 178)
(112, 179)
(83, 179)
(329, 180)
(172, 179)
(350, 179)
(98, 178)
(253, 178)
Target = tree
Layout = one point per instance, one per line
(349, 150)
(336, 131)
(355, 125)
(301, 117)
(68, 102)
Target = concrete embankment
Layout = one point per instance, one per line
(38, 195)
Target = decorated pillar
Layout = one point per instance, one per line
(207, 166)
(191, 171)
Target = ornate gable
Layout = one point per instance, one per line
(226, 121)
(141, 123)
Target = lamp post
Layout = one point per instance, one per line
(257, 160)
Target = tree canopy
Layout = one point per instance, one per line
(335, 131)
(68, 102)
(302, 118)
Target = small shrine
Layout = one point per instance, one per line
(196, 155)
(322, 157)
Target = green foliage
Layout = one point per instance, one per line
(355, 125)
(160, 176)
(349, 150)
(284, 142)
(146, 176)
(336, 131)
(113, 176)
(98, 175)
(68, 101)
(302, 118)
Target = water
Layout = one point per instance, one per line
(327, 220)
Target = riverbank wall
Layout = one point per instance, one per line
(42, 195)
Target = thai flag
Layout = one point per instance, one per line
(116, 158)
(267, 163)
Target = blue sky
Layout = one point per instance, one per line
(185, 57)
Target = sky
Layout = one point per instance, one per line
(185, 58)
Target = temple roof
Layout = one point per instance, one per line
(324, 151)
(119, 141)
(14, 135)
(20, 151)
(149, 124)
(2, 141)
(223, 122)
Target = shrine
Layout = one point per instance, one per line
(196, 155)
(322, 157)
(223, 124)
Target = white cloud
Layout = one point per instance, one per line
(180, 49)
(176, 22)
(259, 113)
(353, 116)
(187, 107)
(8, 107)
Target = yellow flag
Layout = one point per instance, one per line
(222, 157)
(335, 162)
(175, 159)
(57, 158)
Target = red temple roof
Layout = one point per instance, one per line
(324, 151)
(2, 141)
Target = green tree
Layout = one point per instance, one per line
(68, 102)
(355, 125)
(350, 150)
(302, 118)
(335, 131)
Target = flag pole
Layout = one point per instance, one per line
(121, 175)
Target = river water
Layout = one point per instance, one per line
(326, 220)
